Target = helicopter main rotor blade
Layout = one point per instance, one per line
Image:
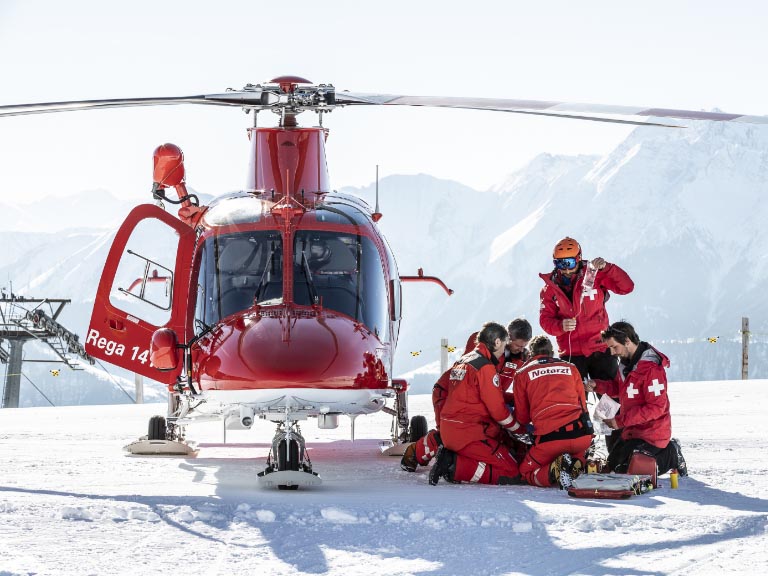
(546, 108)
(324, 97)
(250, 98)
(74, 105)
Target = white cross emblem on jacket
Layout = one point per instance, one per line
(591, 293)
(657, 387)
(631, 390)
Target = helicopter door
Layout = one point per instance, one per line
(144, 286)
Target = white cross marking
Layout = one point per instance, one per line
(656, 388)
(591, 293)
(632, 391)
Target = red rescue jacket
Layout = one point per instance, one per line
(507, 367)
(589, 311)
(474, 408)
(440, 389)
(641, 388)
(549, 393)
(439, 393)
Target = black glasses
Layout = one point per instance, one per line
(565, 263)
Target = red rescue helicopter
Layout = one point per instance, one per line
(280, 301)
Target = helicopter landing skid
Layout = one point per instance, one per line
(288, 479)
(389, 448)
(146, 447)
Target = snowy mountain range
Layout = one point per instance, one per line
(681, 210)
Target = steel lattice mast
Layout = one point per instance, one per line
(23, 319)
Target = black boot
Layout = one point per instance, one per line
(408, 461)
(512, 481)
(444, 466)
(682, 467)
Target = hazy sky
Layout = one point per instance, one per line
(697, 55)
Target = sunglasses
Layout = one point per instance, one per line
(565, 263)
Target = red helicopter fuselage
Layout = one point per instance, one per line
(284, 296)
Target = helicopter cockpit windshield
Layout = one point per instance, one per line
(236, 271)
(342, 272)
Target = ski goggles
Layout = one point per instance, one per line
(565, 263)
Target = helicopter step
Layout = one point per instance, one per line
(389, 448)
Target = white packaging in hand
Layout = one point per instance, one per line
(606, 408)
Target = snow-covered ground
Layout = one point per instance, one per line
(72, 502)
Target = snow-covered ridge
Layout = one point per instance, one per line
(681, 210)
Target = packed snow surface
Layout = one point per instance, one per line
(72, 502)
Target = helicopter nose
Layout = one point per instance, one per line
(328, 352)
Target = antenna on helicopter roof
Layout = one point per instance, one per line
(376, 214)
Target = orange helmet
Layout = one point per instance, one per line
(567, 248)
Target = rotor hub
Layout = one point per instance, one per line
(288, 84)
(286, 96)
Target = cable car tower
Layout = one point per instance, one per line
(23, 319)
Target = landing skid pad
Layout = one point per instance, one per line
(160, 448)
(390, 449)
(289, 478)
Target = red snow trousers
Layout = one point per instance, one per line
(426, 448)
(535, 466)
(484, 461)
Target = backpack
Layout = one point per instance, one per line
(612, 486)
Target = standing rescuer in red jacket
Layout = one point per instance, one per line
(474, 415)
(641, 385)
(574, 313)
(549, 394)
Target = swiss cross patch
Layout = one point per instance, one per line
(656, 387)
(496, 380)
(591, 294)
